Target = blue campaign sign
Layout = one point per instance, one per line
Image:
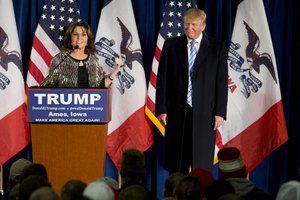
(68, 105)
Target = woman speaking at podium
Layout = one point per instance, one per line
(77, 65)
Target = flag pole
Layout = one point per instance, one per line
(1, 181)
(119, 179)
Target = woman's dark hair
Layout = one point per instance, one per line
(67, 46)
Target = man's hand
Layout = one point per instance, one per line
(163, 118)
(218, 122)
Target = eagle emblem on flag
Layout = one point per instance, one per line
(7, 57)
(254, 59)
(105, 49)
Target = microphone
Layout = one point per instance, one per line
(76, 47)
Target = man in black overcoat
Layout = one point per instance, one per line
(190, 127)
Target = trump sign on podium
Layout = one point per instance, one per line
(68, 105)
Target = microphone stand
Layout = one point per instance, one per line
(63, 60)
(67, 54)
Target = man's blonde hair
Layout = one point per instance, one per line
(195, 13)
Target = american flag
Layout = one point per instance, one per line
(171, 26)
(56, 16)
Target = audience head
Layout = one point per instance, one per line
(189, 188)
(289, 190)
(134, 192)
(44, 193)
(217, 189)
(14, 192)
(72, 190)
(205, 177)
(98, 191)
(133, 166)
(110, 182)
(230, 197)
(16, 170)
(34, 169)
(30, 184)
(231, 164)
(171, 183)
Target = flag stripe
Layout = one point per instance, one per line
(151, 98)
(153, 77)
(14, 133)
(155, 121)
(157, 54)
(255, 147)
(34, 74)
(37, 59)
(47, 42)
(31, 78)
(40, 49)
(124, 137)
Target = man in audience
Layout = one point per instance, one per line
(15, 171)
(133, 170)
(110, 182)
(98, 191)
(205, 177)
(134, 192)
(34, 169)
(230, 196)
(44, 193)
(289, 191)
(171, 183)
(217, 189)
(233, 170)
(72, 190)
(189, 188)
(30, 184)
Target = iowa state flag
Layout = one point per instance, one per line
(117, 36)
(14, 132)
(255, 120)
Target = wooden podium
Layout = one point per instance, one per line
(69, 150)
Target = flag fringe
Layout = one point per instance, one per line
(155, 121)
